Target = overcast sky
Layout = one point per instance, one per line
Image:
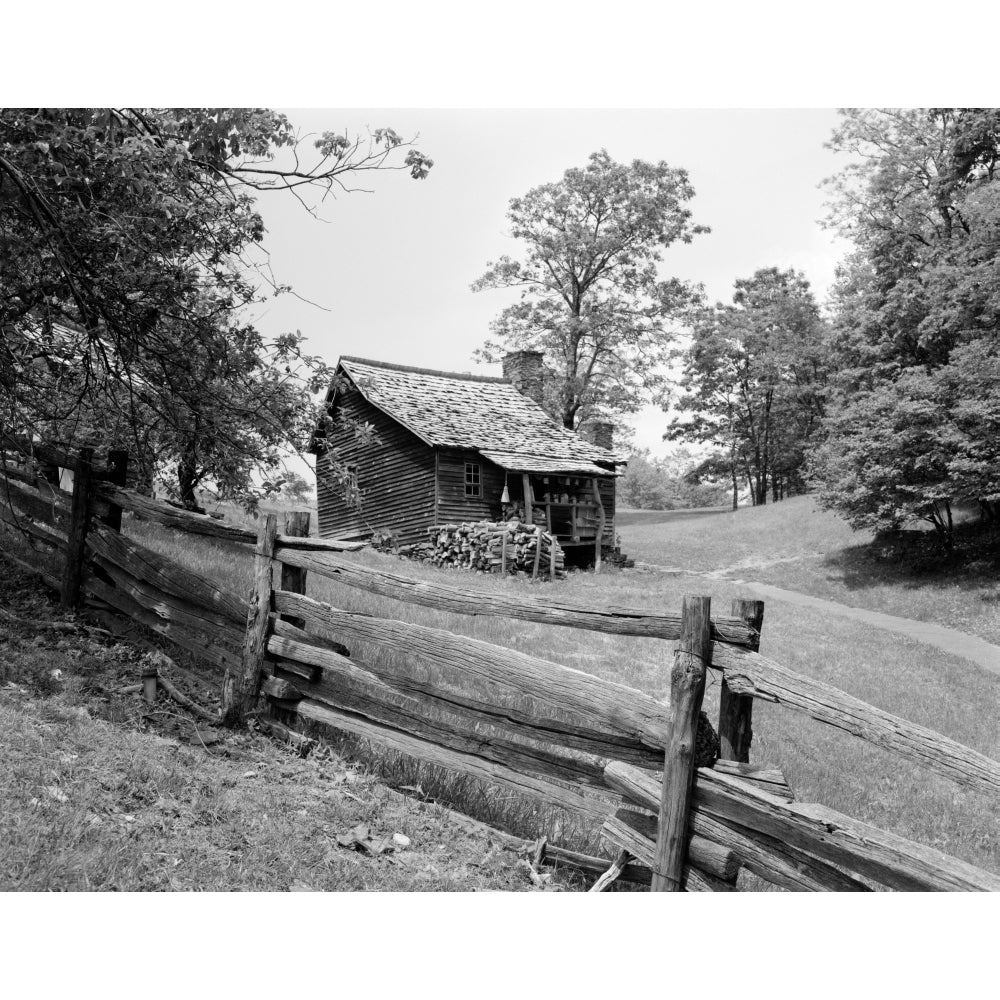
(389, 271)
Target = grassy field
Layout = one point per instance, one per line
(797, 546)
(822, 764)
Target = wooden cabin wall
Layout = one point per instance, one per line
(396, 475)
(453, 504)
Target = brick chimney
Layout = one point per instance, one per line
(523, 369)
(599, 432)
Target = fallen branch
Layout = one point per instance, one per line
(162, 660)
(64, 627)
(278, 730)
(623, 859)
(183, 699)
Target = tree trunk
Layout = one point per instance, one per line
(187, 479)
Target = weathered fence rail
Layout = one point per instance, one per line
(593, 747)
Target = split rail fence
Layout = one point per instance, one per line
(594, 747)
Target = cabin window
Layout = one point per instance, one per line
(473, 480)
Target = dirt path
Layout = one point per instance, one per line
(948, 640)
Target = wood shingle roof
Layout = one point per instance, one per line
(477, 413)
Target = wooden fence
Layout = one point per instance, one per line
(597, 748)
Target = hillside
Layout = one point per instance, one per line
(796, 545)
(104, 792)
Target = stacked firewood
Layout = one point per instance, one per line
(510, 547)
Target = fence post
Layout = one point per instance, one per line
(736, 710)
(293, 578)
(117, 475)
(687, 688)
(76, 549)
(239, 695)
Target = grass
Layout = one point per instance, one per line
(102, 792)
(714, 539)
(822, 764)
(797, 546)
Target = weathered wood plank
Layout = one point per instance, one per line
(166, 575)
(194, 643)
(173, 517)
(709, 856)
(736, 710)
(776, 862)
(43, 453)
(622, 835)
(116, 474)
(611, 619)
(766, 856)
(815, 830)
(293, 578)
(547, 791)
(43, 503)
(48, 536)
(553, 855)
(240, 692)
(752, 674)
(619, 865)
(621, 711)
(76, 534)
(281, 689)
(770, 779)
(295, 544)
(365, 695)
(687, 688)
(404, 678)
(196, 618)
(874, 853)
(203, 524)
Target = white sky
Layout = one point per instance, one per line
(391, 269)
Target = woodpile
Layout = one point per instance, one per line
(491, 547)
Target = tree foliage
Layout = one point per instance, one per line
(753, 383)
(591, 297)
(651, 483)
(127, 257)
(913, 426)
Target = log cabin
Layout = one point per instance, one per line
(447, 447)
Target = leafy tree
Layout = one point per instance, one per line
(652, 483)
(591, 299)
(646, 485)
(126, 256)
(753, 381)
(296, 488)
(915, 317)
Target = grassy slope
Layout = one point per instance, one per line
(100, 791)
(823, 764)
(797, 546)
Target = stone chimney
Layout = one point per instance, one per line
(599, 432)
(523, 369)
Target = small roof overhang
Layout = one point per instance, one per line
(519, 461)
